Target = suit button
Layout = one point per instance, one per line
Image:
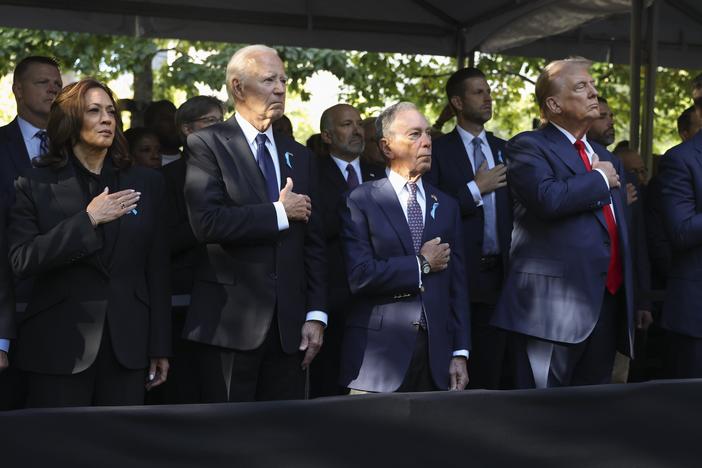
(273, 276)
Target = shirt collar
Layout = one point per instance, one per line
(250, 132)
(28, 130)
(468, 137)
(398, 183)
(572, 139)
(341, 164)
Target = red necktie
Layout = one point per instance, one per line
(614, 271)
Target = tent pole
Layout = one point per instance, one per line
(635, 72)
(650, 84)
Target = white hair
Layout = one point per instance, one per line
(387, 117)
(238, 66)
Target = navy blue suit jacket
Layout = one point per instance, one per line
(451, 171)
(560, 244)
(250, 272)
(681, 188)
(384, 277)
(14, 159)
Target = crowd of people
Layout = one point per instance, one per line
(196, 259)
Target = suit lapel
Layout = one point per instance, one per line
(458, 155)
(68, 192)
(565, 151)
(286, 160)
(369, 172)
(243, 159)
(333, 174)
(431, 212)
(386, 198)
(20, 157)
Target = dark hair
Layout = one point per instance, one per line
(25, 63)
(685, 119)
(66, 121)
(456, 82)
(154, 109)
(135, 134)
(621, 147)
(196, 107)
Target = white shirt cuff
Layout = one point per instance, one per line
(317, 315)
(604, 177)
(4, 345)
(475, 191)
(461, 352)
(419, 270)
(283, 223)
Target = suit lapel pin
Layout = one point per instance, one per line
(499, 156)
(434, 206)
(372, 174)
(288, 159)
(134, 212)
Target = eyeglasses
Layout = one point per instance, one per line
(209, 119)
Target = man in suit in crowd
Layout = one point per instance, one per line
(342, 170)
(259, 296)
(680, 181)
(371, 152)
(688, 123)
(468, 163)
(36, 83)
(568, 292)
(409, 326)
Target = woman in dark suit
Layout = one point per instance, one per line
(87, 225)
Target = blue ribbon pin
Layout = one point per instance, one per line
(288, 155)
(433, 210)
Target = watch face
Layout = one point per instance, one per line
(426, 268)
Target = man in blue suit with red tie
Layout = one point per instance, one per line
(409, 328)
(568, 294)
(680, 178)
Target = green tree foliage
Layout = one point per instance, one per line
(370, 80)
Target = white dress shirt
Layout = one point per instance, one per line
(399, 184)
(31, 141)
(341, 164)
(250, 133)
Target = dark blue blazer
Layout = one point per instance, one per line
(451, 171)
(681, 188)
(383, 275)
(14, 159)
(560, 245)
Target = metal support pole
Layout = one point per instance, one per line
(650, 84)
(635, 72)
(460, 49)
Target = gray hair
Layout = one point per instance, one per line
(387, 117)
(238, 66)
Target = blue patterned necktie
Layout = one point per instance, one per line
(489, 216)
(352, 179)
(414, 217)
(44, 142)
(265, 163)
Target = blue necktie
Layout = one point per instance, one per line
(489, 217)
(352, 179)
(265, 163)
(416, 225)
(44, 142)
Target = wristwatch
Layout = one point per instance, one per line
(424, 264)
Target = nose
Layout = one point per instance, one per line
(593, 90)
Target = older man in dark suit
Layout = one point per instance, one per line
(409, 328)
(259, 295)
(468, 163)
(568, 293)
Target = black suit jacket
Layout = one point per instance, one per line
(332, 188)
(7, 300)
(183, 243)
(14, 159)
(451, 171)
(74, 291)
(250, 270)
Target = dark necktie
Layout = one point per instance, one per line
(614, 271)
(352, 178)
(265, 163)
(489, 216)
(414, 217)
(44, 142)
